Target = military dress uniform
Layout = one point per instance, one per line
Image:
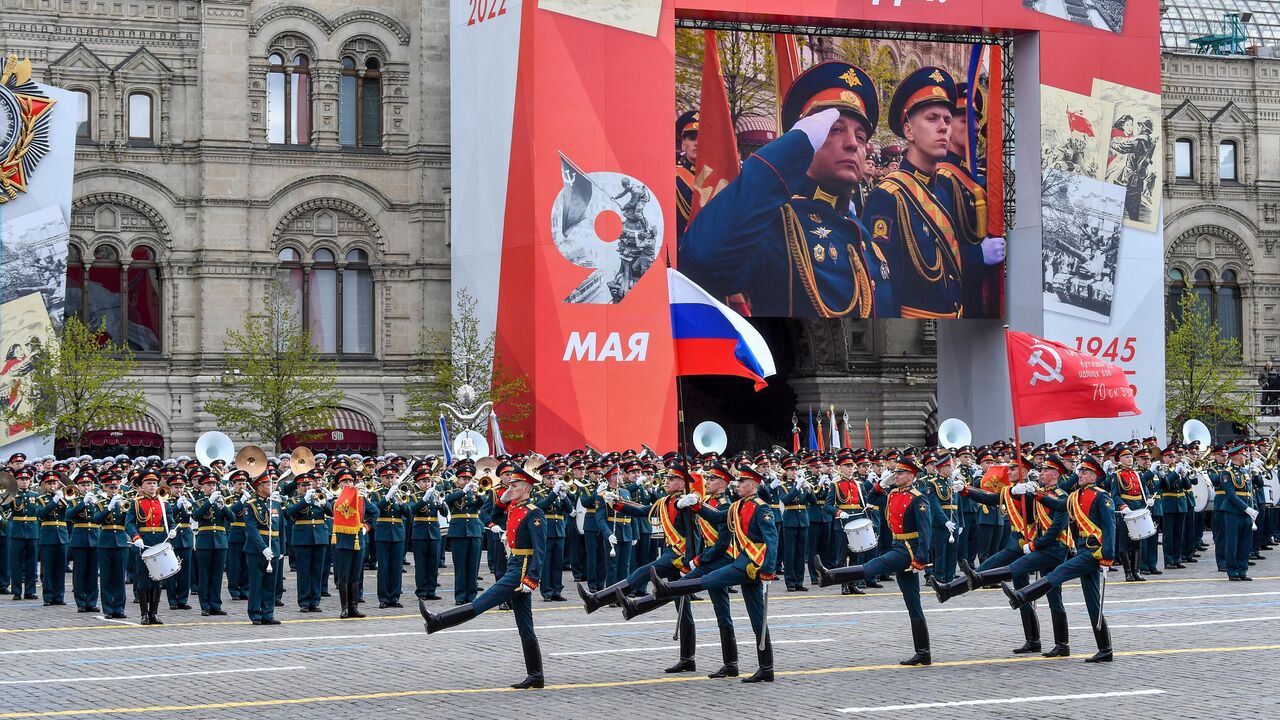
(1237, 529)
(311, 533)
(968, 211)
(594, 534)
(1092, 519)
(909, 219)
(261, 533)
(620, 541)
(944, 508)
(351, 517)
(555, 510)
(113, 553)
(211, 549)
(52, 515)
(388, 543)
(792, 247)
(1125, 485)
(84, 554)
(237, 567)
(847, 496)
(465, 532)
(526, 535)
(1172, 503)
(146, 525)
(494, 519)
(751, 540)
(178, 588)
(685, 179)
(970, 512)
(425, 512)
(796, 498)
(907, 519)
(821, 513)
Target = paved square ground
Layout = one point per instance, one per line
(1189, 644)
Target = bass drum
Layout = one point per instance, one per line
(1272, 488)
(1202, 492)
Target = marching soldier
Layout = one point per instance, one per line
(465, 531)
(907, 213)
(388, 537)
(847, 496)
(595, 531)
(969, 510)
(51, 512)
(262, 545)
(1239, 514)
(351, 515)
(907, 517)
(113, 547)
(1148, 557)
(797, 495)
(751, 540)
(1126, 487)
(944, 512)
(525, 538)
(147, 525)
(237, 568)
(1173, 506)
(84, 545)
(178, 587)
(212, 517)
(1093, 523)
(556, 507)
(494, 519)
(309, 513)
(425, 512)
(784, 232)
(821, 512)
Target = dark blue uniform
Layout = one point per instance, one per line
(1237, 526)
(53, 548)
(211, 548)
(312, 528)
(555, 509)
(261, 531)
(113, 556)
(24, 543)
(426, 540)
(84, 554)
(178, 587)
(388, 543)
(465, 531)
(968, 211)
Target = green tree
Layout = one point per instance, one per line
(461, 368)
(747, 62)
(276, 382)
(79, 382)
(1204, 376)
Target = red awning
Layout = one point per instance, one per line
(349, 431)
(143, 432)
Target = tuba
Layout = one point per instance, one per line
(708, 437)
(954, 433)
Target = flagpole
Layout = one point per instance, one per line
(1013, 403)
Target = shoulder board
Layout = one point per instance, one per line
(756, 499)
(916, 492)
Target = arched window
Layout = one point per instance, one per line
(1183, 167)
(140, 117)
(84, 110)
(322, 302)
(357, 304)
(1228, 307)
(1203, 289)
(1173, 298)
(289, 99)
(123, 297)
(1227, 161)
(335, 303)
(360, 103)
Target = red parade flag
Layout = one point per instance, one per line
(717, 144)
(1079, 123)
(795, 435)
(866, 434)
(786, 53)
(822, 445)
(1050, 381)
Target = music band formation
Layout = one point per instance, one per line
(636, 531)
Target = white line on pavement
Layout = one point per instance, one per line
(1000, 701)
(1190, 623)
(677, 647)
(120, 622)
(109, 678)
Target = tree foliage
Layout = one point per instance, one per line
(747, 61)
(445, 362)
(276, 381)
(1203, 371)
(79, 382)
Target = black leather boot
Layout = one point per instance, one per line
(1030, 593)
(729, 652)
(1102, 634)
(919, 636)
(1061, 646)
(1134, 564)
(688, 648)
(663, 589)
(990, 578)
(948, 590)
(155, 606)
(343, 602)
(836, 576)
(593, 601)
(353, 601)
(765, 654)
(1030, 630)
(634, 607)
(453, 616)
(532, 660)
(144, 605)
(1128, 567)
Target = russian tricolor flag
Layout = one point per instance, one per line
(711, 339)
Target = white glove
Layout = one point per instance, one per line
(775, 484)
(1019, 489)
(951, 526)
(842, 515)
(1107, 465)
(57, 497)
(116, 502)
(310, 495)
(957, 485)
(522, 588)
(993, 251)
(1253, 514)
(173, 533)
(558, 487)
(471, 487)
(687, 500)
(1026, 549)
(885, 481)
(609, 497)
(817, 126)
(184, 503)
(1151, 502)
(268, 553)
(275, 496)
(1125, 509)
(138, 543)
(601, 487)
(495, 529)
(244, 496)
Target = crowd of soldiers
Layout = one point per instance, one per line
(637, 531)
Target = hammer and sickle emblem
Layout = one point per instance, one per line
(1048, 371)
(569, 176)
(705, 189)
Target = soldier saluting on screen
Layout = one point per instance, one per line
(908, 212)
(784, 233)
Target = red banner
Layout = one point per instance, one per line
(1050, 381)
(717, 144)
